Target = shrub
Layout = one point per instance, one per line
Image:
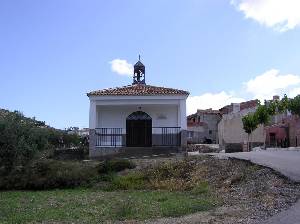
(201, 188)
(170, 184)
(129, 182)
(180, 169)
(49, 174)
(172, 176)
(20, 139)
(23, 139)
(115, 165)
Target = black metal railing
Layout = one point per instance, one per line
(116, 137)
(166, 136)
(110, 137)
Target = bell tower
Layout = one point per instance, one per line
(139, 73)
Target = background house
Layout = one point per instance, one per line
(283, 131)
(203, 126)
(230, 129)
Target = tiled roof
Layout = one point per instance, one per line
(208, 111)
(244, 105)
(138, 90)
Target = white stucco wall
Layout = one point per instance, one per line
(112, 111)
(230, 129)
(115, 116)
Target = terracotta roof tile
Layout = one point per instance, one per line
(138, 90)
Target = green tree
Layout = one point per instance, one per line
(250, 123)
(294, 105)
(284, 104)
(20, 139)
(272, 107)
(263, 117)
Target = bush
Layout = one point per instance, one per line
(128, 182)
(172, 176)
(20, 139)
(23, 139)
(170, 184)
(115, 165)
(49, 174)
(180, 169)
(201, 188)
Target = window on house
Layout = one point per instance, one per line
(194, 120)
(190, 134)
(210, 132)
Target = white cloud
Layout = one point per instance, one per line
(121, 67)
(261, 87)
(271, 83)
(282, 15)
(210, 100)
(294, 92)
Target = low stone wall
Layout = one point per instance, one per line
(234, 147)
(239, 147)
(103, 152)
(70, 153)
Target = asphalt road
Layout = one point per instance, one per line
(285, 162)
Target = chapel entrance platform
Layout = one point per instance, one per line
(112, 142)
(136, 152)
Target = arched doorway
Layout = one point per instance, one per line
(139, 130)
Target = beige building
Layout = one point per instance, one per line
(232, 136)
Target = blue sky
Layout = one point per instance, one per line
(53, 52)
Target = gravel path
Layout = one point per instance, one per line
(289, 216)
(285, 162)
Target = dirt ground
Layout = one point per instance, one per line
(248, 193)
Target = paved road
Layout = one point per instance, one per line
(285, 162)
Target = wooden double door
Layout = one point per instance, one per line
(139, 130)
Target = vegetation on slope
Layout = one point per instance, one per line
(22, 139)
(154, 189)
(106, 194)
